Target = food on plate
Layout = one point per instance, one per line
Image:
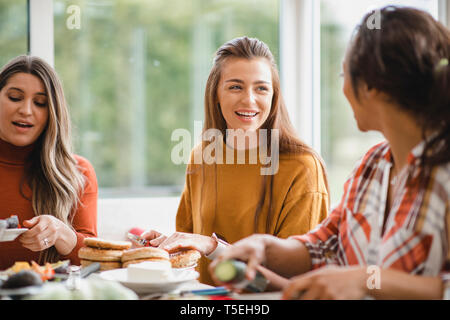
(150, 271)
(185, 258)
(21, 279)
(61, 267)
(107, 244)
(11, 223)
(104, 265)
(107, 252)
(138, 255)
(46, 272)
(28, 278)
(94, 254)
(19, 266)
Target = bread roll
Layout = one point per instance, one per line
(185, 258)
(107, 244)
(94, 254)
(104, 265)
(144, 253)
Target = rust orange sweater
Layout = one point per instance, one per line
(12, 161)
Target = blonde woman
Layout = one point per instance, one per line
(225, 199)
(52, 191)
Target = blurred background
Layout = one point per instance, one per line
(134, 71)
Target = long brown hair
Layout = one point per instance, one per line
(407, 58)
(51, 170)
(289, 143)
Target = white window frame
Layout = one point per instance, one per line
(299, 70)
(41, 30)
(300, 65)
(444, 12)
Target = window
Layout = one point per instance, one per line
(13, 29)
(134, 71)
(341, 142)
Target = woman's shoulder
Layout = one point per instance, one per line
(305, 169)
(301, 160)
(83, 163)
(87, 169)
(376, 152)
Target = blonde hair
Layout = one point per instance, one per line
(51, 170)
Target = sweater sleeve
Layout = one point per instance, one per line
(304, 214)
(184, 221)
(184, 213)
(85, 218)
(307, 202)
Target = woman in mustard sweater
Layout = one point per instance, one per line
(251, 174)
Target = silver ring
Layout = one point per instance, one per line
(46, 242)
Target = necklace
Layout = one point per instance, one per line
(399, 176)
(394, 180)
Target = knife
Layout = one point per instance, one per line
(85, 271)
(141, 241)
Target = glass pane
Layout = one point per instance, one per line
(342, 143)
(134, 71)
(13, 29)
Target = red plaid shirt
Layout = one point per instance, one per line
(416, 237)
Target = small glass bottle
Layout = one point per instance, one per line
(74, 280)
(446, 283)
(233, 272)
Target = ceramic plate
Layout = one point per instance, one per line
(20, 292)
(11, 234)
(180, 277)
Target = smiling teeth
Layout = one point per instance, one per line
(20, 124)
(247, 114)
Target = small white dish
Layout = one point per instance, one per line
(179, 277)
(11, 234)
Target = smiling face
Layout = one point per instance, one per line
(23, 109)
(245, 92)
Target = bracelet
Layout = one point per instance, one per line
(221, 245)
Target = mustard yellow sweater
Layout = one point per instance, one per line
(223, 198)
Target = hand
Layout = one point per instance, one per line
(155, 237)
(46, 231)
(180, 240)
(328, 283)
(251, 250)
